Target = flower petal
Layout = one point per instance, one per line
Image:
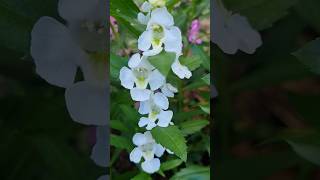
(153, 52)
(143, 19)
(134, 61)
(151, 125)
(100, 151)
(143, 121)
(87, 103)
(168, 90)
(144, 107)
(161, 100)
(156, 80)
(146, 7)
(164, 118)
(180, 70)
(126, 78)
(161, 16)
(151, 166)
(135, 155)
(158, 150)
(139, 139)
(140, 94)
(173, 40)
(144, 41)
(55, 54)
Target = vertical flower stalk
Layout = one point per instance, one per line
(148, 87)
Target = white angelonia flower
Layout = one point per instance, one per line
(139, 76)
(148, 149)
(160, 31)
(57, 57)
(232, 31)
(156, 108)
(146, 7)
(180, 70)
(168, 90)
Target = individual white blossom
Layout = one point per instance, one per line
(57, 57)
(232, 32)
(139, 76)
(146, 7)
(156, 108)
(160, 31)
(180, 70)
(168, 90)
(149, 150)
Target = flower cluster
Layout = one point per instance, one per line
(146, 83)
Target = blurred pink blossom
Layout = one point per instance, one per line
(113, 27)
(194, 32)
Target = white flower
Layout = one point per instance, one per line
(139, 76)
(160, 31)
(180, 70)
(232, 31)
(156, 108)
(57, 57)
(86, 20)
(146, 7)
(148, 149)
(100, 151)
(168, 90)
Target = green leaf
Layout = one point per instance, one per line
(205, 108)
(120, 142)
(206, 79)
(118, 125)
(116, 63)
(142, 176)
(193, 172)
(309, 55)
(191, 62)
(163, 62)
(198, 51)
(171, 138)
(309, 11)
(168, 165)
(193, 126)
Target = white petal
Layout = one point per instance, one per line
(172, 88)
(170, 152)
(100, 151)
(126, 78)
(87, 103)
(134, 61)
(156, 80)
(180, 70)
(161, 16)
(173, 40)
(144, 107)
(140, 94)
(146, 7)
(143, 121)
(135, 155)
(153, 52)
(149, 137)
(161, 100)
(158, 150)
(139, 139)
(54, 52)
(144, 41)
(164, 118)
(143, 19)
(168, 90)
(151, 166)
(151, 125)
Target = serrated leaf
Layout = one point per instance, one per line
(120, 142)
(171, 138)
(168, 165)
(193, 172)
(309, 55)
(193, 126)
(163, 62)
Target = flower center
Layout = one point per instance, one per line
(141, 75)
(147, 150)
(157, 34)
(155, 110)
